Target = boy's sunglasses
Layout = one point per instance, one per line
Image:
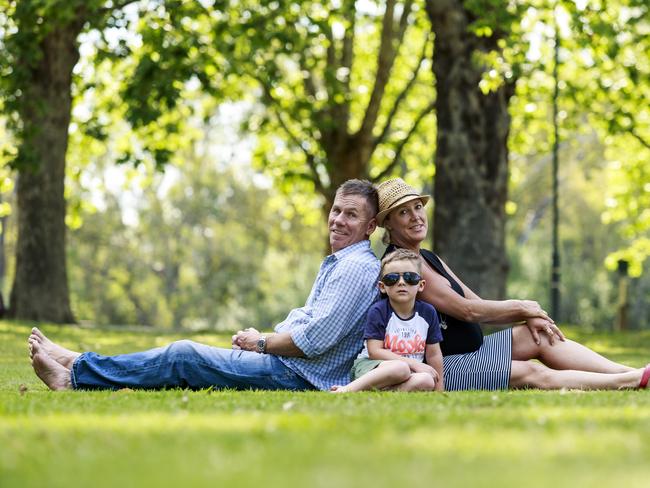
(410, 278)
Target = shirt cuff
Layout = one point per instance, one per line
(299, 338)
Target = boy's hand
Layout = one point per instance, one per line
(424, 368)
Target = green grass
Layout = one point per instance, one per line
(225, 438)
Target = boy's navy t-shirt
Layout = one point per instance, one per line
(407, 337)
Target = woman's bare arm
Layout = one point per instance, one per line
(472, 308)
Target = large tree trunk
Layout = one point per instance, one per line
(40, 288)
(471, 180)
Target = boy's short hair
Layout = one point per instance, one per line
(400, 254)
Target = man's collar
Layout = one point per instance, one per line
(341, 253)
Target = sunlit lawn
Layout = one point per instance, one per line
(226, 438)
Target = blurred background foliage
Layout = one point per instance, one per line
(210, 225)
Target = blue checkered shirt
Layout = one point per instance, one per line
(329, 328)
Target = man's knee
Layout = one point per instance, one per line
(181, 348)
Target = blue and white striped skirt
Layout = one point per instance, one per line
(487, 368)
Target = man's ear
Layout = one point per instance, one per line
(372, 225)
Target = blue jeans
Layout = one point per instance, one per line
(185, 364)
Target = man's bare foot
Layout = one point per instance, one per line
(55, 376)
(339, 389)
(65, 357)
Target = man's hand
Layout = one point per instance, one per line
(278, 344)
(246, 339)
(537, 325)
(417, 367)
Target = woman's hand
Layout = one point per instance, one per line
(538, 325)
(531, 309)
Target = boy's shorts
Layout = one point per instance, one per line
(362, 366)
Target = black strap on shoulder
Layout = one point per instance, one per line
(436, 263)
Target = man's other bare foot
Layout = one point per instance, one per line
(55, 376)
(339, 389)
(65, 357)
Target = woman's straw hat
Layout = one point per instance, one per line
(393, 193)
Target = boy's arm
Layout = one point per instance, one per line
(433, 357)
(376, 350)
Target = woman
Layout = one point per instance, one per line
(503, 359)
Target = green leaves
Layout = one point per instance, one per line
(191, 246)
(604, 89)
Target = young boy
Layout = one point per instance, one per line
(402, 334)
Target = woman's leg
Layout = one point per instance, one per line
(534, 375)
(567, 355)
(386, 374)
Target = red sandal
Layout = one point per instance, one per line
(645, 377)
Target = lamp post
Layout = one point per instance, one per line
(555, 258)
(623, 284)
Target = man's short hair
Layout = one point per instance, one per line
(362, 188)
(400, 254)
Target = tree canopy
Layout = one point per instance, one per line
(306, 95)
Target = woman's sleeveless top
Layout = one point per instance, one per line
(460, 337)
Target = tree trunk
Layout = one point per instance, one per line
(471, 180)
(40, 288)
(347, 160)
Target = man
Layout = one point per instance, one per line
(313, 348)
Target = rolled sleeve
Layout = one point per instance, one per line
(337, 309)
(329, 328)
(301, 341)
